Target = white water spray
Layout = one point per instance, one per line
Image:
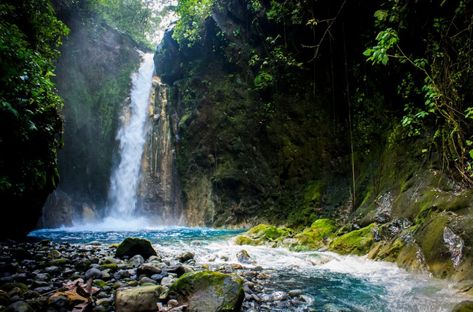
(132, 136)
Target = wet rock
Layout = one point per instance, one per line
(19, 306)
(138, 299)
(157, 277)
(147, 280)
(209, 291)
(52, 269)
(149, 269)
(465, 306)
(295, 292)
(135, 246)
(93, 273)
(137, 260)
(167, 281)
(455, 245)
(186, 256)
(279, 296)
(179, 270)
(243, 256)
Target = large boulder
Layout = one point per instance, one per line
(135, 246)
(138, 299)
(465, 306)
(209, 291)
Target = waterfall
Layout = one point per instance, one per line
(132, 136)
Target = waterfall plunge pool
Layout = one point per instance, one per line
(329, 282)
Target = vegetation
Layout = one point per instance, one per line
(30, 131)
(436, 74)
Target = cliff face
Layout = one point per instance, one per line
(159, 194)
(93, 78)
(270, 130)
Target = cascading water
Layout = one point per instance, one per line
(132, 137)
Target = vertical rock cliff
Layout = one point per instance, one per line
(159, 192)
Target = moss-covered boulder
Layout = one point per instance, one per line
(316, 235)
(262, 234)
(356, 242)
(209, 291)
(465, 306)
(135, 246)
(138, 299)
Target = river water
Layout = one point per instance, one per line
(329, 282)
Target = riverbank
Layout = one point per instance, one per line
(45, 275)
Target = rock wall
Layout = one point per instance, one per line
(275, 142)
(159, 193)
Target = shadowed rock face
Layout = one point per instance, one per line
(93, 78)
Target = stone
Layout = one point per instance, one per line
(209, 291)
(19, 306)
(138, 299)
(93, 273)
(295, 293)
(149, 269)
(243, 256)
(464, 306)
(137, 260)
(186, 256)
(179, 270)
(147, 280)
(135, 246)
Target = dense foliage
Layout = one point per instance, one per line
(134, 17)
(30, 128)
(437, 75)
(294, 121)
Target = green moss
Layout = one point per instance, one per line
(313, 191)
(245, 240)
(216, 291)
(100, 283)
(465, 306)
(315, 236)
(111, 266)
(430, 238)
(269, 232)
(355, 242)
(390, 251)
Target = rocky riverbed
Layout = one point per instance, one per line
(52, 276)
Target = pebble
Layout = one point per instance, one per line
(74, 263)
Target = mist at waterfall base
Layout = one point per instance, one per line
(329, 282)
(121, 212)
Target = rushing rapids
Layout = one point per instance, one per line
(282, 280)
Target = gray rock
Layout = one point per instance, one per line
(138, 299)
(93, 273)
(137, 260)
(148, 280)
(52, 269)
(149, 269)
(167, 281)
(19, 306)
(295, 292)
(243, 256)
(186, 256)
